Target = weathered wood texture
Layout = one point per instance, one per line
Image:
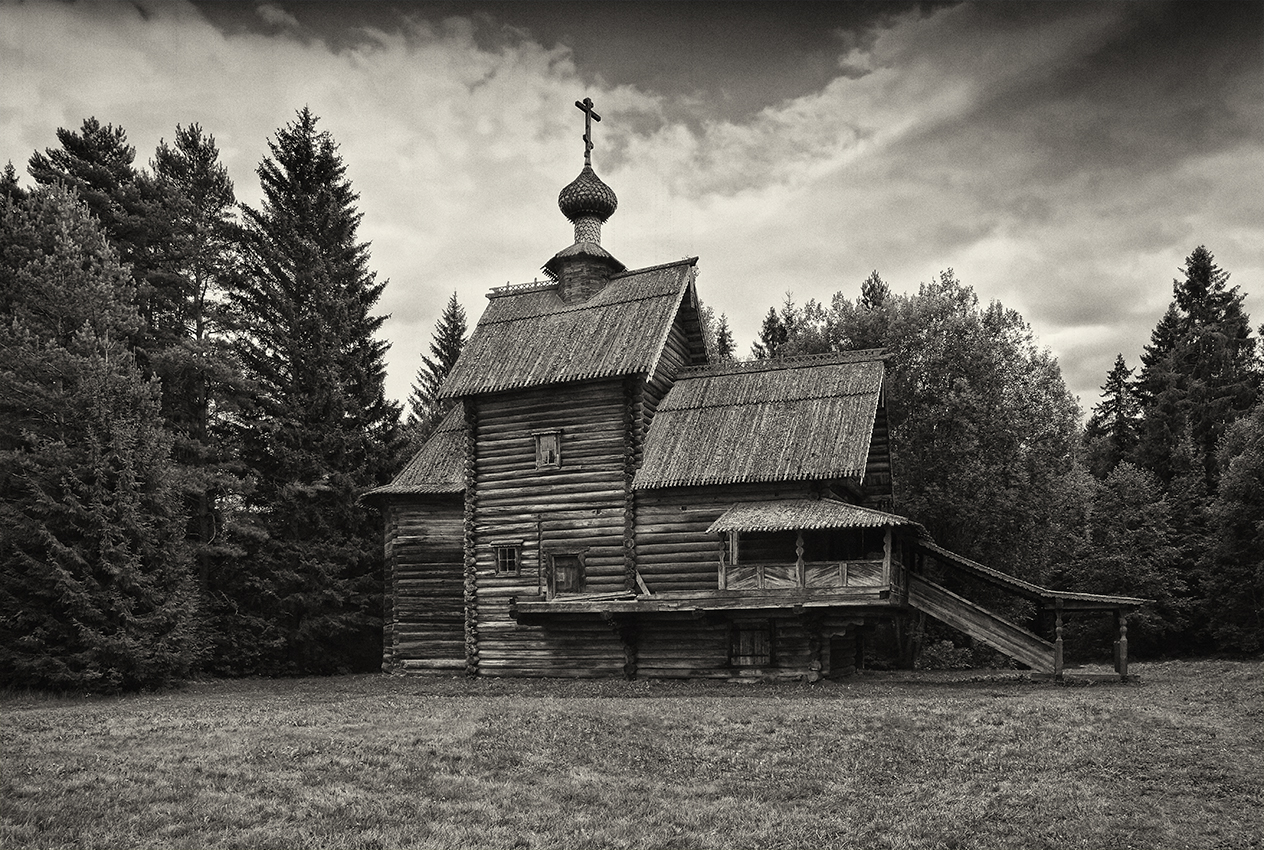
(673, 549)
(580, 506)
(878, 487)
(981, 624)
(425, 611)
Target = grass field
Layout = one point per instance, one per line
(882, 760)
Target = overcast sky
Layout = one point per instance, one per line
(1063, 158)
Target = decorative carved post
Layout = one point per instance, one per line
(1121, 664)
(630, 388)
(886, 557)
(1057, 641)
(798, 559)
(471, 561)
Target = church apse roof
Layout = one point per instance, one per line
(768, 420)
(528, 336)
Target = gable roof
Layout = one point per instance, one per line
(808, 418)
(438, 467)
(528, 336)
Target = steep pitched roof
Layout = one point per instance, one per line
(438, 467)
(802, 419)
(528, 336)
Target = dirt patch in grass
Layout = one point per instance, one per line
(955, 760)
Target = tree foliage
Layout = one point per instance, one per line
(1111, 433)
(319, 430)
(97, 591)
(1235, 559)
(982, 423)
(426, 409)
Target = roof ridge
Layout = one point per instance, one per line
(690, 261)
(579, 306)
(736, 367)
(718, 405)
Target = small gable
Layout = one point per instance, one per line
(802, 419)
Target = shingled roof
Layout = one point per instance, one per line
(799, 419)
(528, 336)
(794, 514)
(439, 466)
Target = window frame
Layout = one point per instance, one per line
(765, 628)
(541, 436)
(499, 549)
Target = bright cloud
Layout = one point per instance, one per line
(1012, 142)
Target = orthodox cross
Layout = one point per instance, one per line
(589, 116)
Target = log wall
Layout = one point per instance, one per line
(673, 549)
(579, 506)
(425, 608)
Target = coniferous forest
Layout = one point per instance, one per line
(192, 401)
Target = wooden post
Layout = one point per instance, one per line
(1121, 664)
(886, 558)
(1057, 641)
(798, 559)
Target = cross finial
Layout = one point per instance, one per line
(589, 116)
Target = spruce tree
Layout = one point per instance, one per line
(1199, 373)
(1111, 432)
(319, 430)
(425, 407)
(723, 340)
(773, 337)
(96, 587)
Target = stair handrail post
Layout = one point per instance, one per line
(1057, 640)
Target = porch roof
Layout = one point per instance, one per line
(795, 514)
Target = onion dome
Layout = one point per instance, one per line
(587, 196)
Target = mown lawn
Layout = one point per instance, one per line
(883, 760)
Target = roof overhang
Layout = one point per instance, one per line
(805, 514)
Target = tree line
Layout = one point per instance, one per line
(191, 402)
(1160, 495)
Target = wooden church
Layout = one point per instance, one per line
(604, 501)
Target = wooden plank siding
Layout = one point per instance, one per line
(425, 608)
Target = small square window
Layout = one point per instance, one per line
(548, 449)
(508, 561)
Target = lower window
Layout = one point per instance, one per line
(751, 644)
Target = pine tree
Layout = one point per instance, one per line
(96, 163)
(320, 429)
(201, 382)
(1111, 432)
(426, 409)
(96, 586)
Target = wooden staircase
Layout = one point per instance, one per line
(981, 624)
